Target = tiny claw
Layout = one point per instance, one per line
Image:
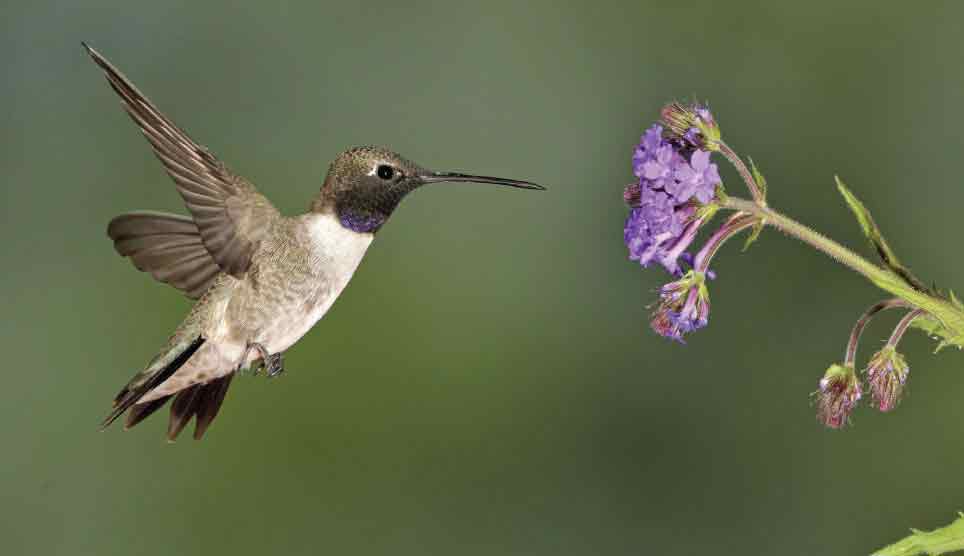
(274, 365)
(271, 363)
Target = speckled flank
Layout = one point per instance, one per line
(295, 277)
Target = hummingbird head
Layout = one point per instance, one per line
(365, 184)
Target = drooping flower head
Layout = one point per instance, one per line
(684, 307)
(838, 395)
(674, 180)
(886, 376)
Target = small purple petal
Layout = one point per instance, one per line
(700, 161)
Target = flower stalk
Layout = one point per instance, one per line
(902, 327)
(741, 168)
(851, 355)
(736, 224)
(949, 316)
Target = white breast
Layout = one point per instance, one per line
(337, 252)
(339, 248)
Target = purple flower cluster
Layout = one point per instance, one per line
(678, 191)
(674, 179)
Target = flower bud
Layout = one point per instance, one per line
(837, 396)
(692, 124)
(886, 376)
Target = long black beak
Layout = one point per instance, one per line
(435, 177)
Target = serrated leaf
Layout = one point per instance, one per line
(928, 324)
(867, 224)
(942, 540)
(955, 300)
(761, 182)
(936, 330)
(877, 240)
(754, 234)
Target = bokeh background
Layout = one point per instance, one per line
(487, 384)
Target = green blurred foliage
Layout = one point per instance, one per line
(487, 384)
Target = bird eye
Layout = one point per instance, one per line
(385, 172)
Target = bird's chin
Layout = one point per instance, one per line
(361, 223)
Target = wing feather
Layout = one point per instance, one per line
(167, 246)
(231, 215)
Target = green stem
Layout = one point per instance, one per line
(949, 316)
(821, 242)
(745, 173)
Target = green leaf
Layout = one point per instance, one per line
(929, 543)
(953, 298)
(935, 329)
(754, 233)
(877, 240)
(721, 195)
(761, 182)
(707, 212)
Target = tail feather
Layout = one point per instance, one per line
(141, 411)
(136, 389)
(215, 392)
(202, 400)
(183, 408)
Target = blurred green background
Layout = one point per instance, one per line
(488, 383)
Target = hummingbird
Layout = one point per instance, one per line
(261, 280)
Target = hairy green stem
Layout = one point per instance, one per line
(745, 173)
(821, 242)
(950, 316)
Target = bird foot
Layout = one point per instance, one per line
(272, 363)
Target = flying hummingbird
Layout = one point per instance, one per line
(261, 280)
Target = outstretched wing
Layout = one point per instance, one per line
(229, 212)
(168, 246)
